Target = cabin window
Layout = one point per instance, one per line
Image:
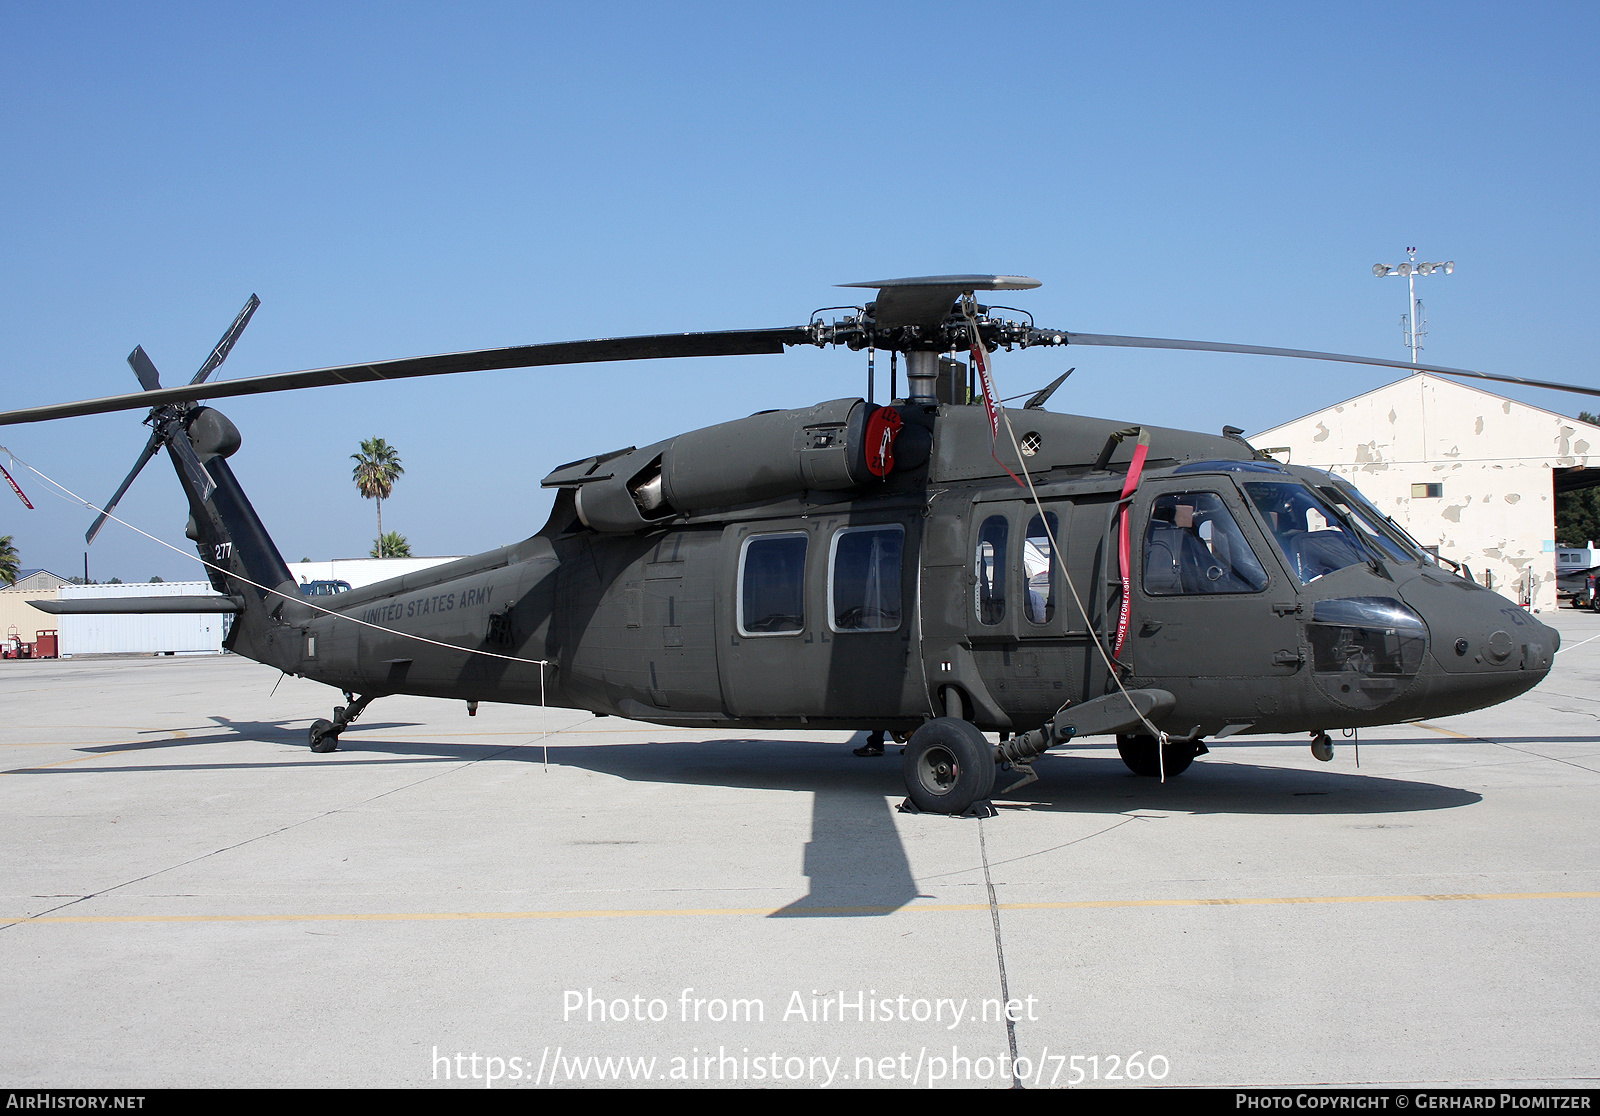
(864, 578)
(772, 584)
(1038, 568)
(989, 570)
(1193, 546)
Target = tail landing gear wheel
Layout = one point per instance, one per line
(323, 738)
(948, 766)
(1139, 753)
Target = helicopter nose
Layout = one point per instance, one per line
(1507, 640)
(1485, 648)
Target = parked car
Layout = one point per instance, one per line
(323, 588)
(1581, 587)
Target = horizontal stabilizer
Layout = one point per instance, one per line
(140, 606)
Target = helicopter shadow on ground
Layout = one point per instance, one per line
(291, 730)
(222, 730)
(1222, 785)
(855, 861)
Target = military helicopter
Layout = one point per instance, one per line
(939, 567)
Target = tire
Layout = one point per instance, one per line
(948, 766)
(1139, 753)
(323, 738)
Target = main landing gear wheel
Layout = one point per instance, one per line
(1139, 753)
(948, 766)
(323, 737)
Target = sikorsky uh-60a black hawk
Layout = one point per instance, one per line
(939, 567)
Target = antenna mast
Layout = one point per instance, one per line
(1413, 325)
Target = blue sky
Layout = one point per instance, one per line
(397, 179)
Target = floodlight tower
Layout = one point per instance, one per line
(1414, 325)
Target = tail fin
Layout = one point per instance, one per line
(241, 559)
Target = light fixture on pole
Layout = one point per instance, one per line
(1413, 325)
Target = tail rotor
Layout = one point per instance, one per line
(167, 421)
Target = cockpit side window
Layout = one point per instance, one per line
(1038, 569)
(1193, 546)
(989, 570)
(1312, 536)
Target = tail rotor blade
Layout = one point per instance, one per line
(149, 378)
(225, 346)
(144, 459)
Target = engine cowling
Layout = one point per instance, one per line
(762, 457)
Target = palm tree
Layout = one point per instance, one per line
(377, 466)
(10, 564)
(392, 545)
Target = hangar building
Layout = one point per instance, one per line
(18, 619)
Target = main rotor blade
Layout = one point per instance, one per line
(225, 346)
(747, 342)
(1116, 341)
(144, 459)
(142, 367)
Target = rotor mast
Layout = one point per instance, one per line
(918, 317)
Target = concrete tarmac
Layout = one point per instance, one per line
(190, 897)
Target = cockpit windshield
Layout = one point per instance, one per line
(1382, 530)
(1315, 538)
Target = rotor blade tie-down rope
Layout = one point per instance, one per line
(540, 663)
(1060, 561)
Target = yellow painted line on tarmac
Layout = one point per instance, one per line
(1445, 731)
(122, 748)
(802, 912)
(42, 766)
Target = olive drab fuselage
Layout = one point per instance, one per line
(754, 574)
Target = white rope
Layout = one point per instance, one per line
(1055, 552)
(541, 663)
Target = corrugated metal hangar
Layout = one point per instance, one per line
(133, 634)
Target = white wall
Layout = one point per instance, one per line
(16, 612)
(361, 571)
(116, 635)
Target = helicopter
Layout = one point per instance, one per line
(940, 567)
